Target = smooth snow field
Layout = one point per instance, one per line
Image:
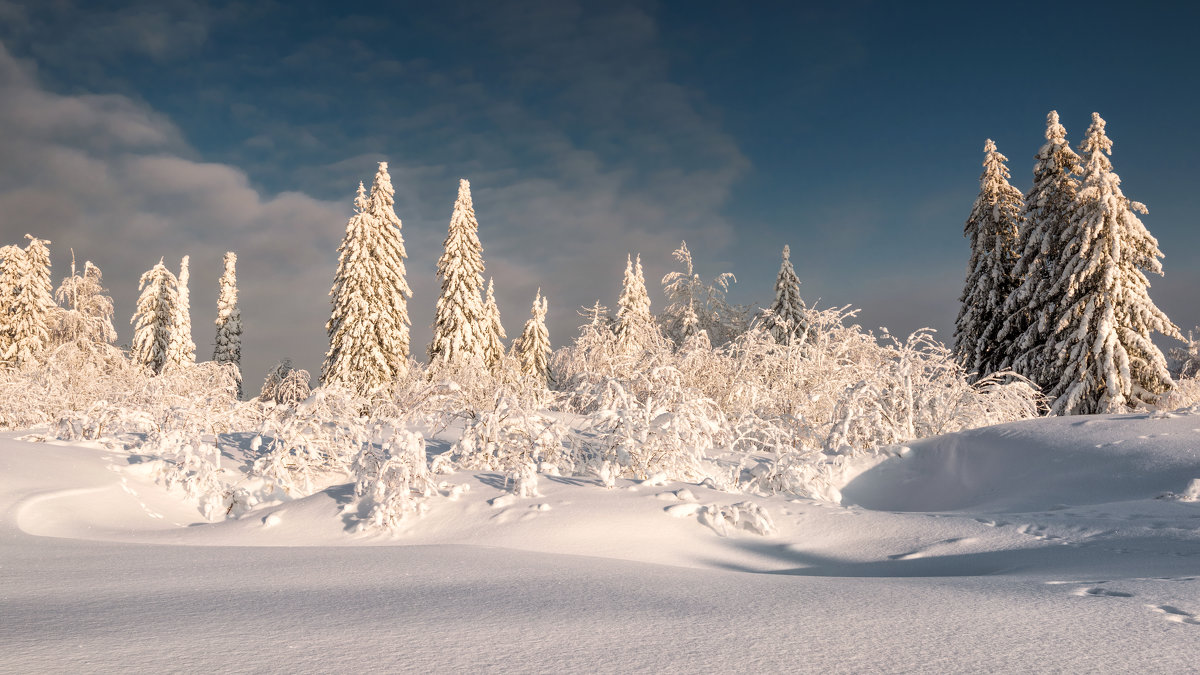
(1050, 545)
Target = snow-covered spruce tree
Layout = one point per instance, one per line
(533, 347)
(182, 350)
(493, 348)
(85, 317)
(368, 328)
(460, 327)
(30, 307)
(992, 228)
(635, 323)
(228, 347)
(1030, 309)
(1100, 341)
(12, 264)
(786, 318)
(155, 318)
(393, 285)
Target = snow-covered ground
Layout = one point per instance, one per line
(1066, 544)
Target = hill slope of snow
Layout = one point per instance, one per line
(1039, 545)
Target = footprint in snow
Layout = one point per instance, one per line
(1103, 593)
(1171, 613)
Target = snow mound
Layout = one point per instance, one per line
(1038, 465)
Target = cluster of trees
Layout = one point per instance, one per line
(369, 346)
(1056, 287)
(33, 326)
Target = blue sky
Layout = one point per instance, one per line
(853, 132)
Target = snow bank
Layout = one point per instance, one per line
(1038, 465)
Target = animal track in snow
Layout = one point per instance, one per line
(1172, 613)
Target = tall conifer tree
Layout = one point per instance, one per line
(154, 318)
(992, 228)
(31, 305)
(369, 327)
(533, 347)
(1029, 309)
(182, 349)
(635, 323)
(786, 320)
(393, 289)
(228, 347)
(460, 326)
(1099, 347)
(493, 348)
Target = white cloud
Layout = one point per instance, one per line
(114, 180)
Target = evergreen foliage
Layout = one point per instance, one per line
(1028, 312)
(368, 327)
(30, 304)
(393, 289)
(228, 347)
(635, 324)
(1099, 344)
(461, 324)
(182, 350)
(533, 347)
(785, 320)
(12, 270)
(993, 229)
(154, 319)
(493, 348)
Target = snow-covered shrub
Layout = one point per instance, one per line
(1184, 393)
(285, 385)
(392, 478)
(669, 430)
(511, 436)
(322, 435)
(741, 516)
(1185, 361)
(194, 466)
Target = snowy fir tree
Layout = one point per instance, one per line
(393, 289)
(1029, 310)
(992, 228)
(182, 350)
(29, 303)
(1100, 340)
(228, 347)
(460, 326)
(368, 328)
(635, 323)
(532, 349)
(786, 318)
(12, 269)
(155, 319)
(493, 348)
(87, 311)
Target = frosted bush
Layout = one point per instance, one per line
(322, 435)
(510, 436)
(668, 431)
(194, 466)
(741, 516)
(392, 479)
